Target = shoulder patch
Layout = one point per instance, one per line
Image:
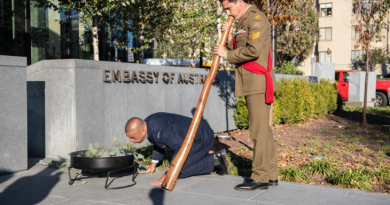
(258, 17)
(255, 35)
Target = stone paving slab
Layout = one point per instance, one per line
(47, 186)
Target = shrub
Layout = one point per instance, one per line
(288, 67)
(241, 114)
(295, 101)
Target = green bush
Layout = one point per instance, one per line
(295, 101)
(288, 67)
(241, 114)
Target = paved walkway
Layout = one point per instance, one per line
(48, 186)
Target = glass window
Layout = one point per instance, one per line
(337, 76)
(355, 35)
(325, 34)
(325, 57)
(355, 55)
(12, 28)
(346, 77)
(326, 9)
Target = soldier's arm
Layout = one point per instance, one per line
(255, 41)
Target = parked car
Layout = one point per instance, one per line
(382, 87)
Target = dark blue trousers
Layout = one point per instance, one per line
(199, 161)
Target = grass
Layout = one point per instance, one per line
(352, 146)
(367, 151)
(293, 174)
(320, 167)
(359, 178)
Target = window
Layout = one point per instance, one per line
(313, 58)
(326, 9)
(346, 77)
(355, 55)
(325, 57)
(355, 35)
(337, 76)
(367, 6)
(325, 34)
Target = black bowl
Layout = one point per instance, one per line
(101, 163)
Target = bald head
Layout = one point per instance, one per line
(136, 129)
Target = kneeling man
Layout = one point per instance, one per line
(167, 131)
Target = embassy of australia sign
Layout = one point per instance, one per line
(152, 77)
(88, 101)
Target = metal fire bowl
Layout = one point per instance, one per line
(101, 163)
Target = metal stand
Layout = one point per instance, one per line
(135, 173)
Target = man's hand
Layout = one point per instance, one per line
(150, 169)
(225, 27)
(220, 51)
(160, 181)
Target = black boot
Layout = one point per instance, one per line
(221, 165)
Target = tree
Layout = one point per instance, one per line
(296, 38)
(276, 10)
(97, 11)
(370, 16)
(146, 20)
(193, 28)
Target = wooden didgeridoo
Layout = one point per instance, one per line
(178, 162)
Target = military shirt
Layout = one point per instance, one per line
(253, 40)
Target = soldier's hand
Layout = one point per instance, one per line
(220, 51)
(225, 27)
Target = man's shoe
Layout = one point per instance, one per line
(221, 163)
(250, 184)
(273, 182)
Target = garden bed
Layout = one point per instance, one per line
(355, 156)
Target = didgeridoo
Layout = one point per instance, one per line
(178, 162)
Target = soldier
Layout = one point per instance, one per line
(167, 131)
(250, 50)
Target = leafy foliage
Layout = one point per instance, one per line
(277, 10)
(287, 67)
(370, 19)
(296, 38)
(295, 101)
(241, 114)
(192, 29)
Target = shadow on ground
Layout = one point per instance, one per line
(373, 119)
(30, 189)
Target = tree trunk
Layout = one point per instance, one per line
(366, 87)
(95, 36)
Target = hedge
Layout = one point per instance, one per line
(295, 101)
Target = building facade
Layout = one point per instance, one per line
(336, 44)
(40, 33)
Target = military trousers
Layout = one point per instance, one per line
(264, 164)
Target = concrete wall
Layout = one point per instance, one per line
(13, 114)
(323, 71)
(80, 108)
(356, 87)
(279, 77)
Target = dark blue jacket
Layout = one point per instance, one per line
(166, 130)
